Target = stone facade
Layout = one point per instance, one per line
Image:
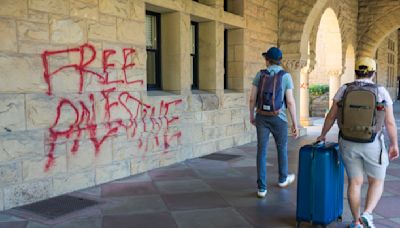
(387, 59)
(74, 107)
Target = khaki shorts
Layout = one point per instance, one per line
(371, 158)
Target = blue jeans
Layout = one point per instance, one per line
(279, 129)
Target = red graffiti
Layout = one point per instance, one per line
(303, 85)
(97, 117)
(83, 66)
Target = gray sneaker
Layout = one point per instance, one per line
(368, 220)
(289, 179)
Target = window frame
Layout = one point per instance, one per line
(195, 56)
(157, 52)
(225, 59)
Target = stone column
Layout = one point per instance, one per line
(211, 55)
(304, 97)
(334, 83)
(294, 67)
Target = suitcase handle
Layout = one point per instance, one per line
(319, 143)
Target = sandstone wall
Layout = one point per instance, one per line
(383, 74)
(74, 108)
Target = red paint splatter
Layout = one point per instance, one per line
(153, 121)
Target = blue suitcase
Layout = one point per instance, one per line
(320, 184)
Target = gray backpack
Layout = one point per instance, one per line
(360, 116)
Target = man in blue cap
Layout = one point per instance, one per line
(269, 119)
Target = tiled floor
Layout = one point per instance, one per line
(205, 193)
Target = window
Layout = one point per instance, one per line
(225, 59)
(234, 6)
(391, 80)
(194, 55)
(153, 47)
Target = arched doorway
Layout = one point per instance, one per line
(328, 60)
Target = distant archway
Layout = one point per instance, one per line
(328, 54)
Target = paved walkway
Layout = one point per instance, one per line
(205, 193)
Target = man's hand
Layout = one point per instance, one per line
(253, 120)
(295, 132)
(321, 138)
(393, 152)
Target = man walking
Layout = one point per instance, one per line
(271, 88)
(360, 156)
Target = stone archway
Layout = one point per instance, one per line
(383, 19)
(298, 24)
(328, 54)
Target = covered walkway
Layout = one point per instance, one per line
(214, 191)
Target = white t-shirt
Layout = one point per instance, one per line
(383, 94)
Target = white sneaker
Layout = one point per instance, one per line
(261, 193)
(367, 220)
(289, 179)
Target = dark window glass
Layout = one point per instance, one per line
(194, 55)
(153, 41)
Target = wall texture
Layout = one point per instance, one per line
(382, 60)
(74, 110)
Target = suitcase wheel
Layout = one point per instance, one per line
(339, 219)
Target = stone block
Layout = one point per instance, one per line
(34, 47)
(33, 31)
(170, 157)
(67, 30)
(102, 31)
(105, 153)
(71, 182)
(223, 117)
(192, 133)
(41, 112)
(35, 168)
(21, 74)
(234, 100)
(242, 139)
(138, 10)
(238, 115)
(14, 8)
(29, 192)
(84, 10)
(8, 35)
(51, 6)
(17, 145)
(195, 103)
(210, 102)
(204, 149)
(12, 112)
(176, 104)
(141, 164)
(124, 148)
(116, 170)
(225, 143)
(81, 159)
(38, 16)
(235, 129)
(10, 173)
(119, 8)
(130, 31)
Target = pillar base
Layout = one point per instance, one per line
(306, 121)
(302, 131)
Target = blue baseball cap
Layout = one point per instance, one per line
(273, 53)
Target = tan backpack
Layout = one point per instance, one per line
(360, 116)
